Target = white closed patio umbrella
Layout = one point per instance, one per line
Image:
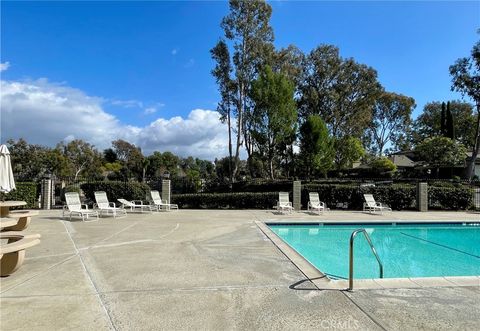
(7, 183)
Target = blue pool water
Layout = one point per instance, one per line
(406, 250)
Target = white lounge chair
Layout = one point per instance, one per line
(284, 204)
(371, 206)
(159, 204)
(315, 204)
(74, 207)
(135, 205)
(108, 208)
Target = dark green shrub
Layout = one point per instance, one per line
(244, 200)
(453, 198)
(398, 197)
(25, 191)
(333, 194)
(116, 190)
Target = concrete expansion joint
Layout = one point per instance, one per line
(90, 278)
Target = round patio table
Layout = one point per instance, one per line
(5, 206)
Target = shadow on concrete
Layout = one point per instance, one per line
(305, 285)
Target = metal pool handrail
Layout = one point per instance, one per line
(352, 239)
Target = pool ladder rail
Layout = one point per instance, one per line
(352, 239)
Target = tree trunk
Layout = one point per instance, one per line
(476, 146)
(239, 129)
(270, 168)
(230, 152)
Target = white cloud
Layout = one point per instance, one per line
(4, 66)
(46, 113)
(127, 103)
(150, 110)
(174, 51)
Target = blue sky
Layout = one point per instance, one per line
(146, 62)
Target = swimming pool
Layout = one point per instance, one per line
(406, 250)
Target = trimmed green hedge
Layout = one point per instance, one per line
(116, 190)
(453, 198)
(245, 200)
(398, 197)
(253, 186)
(25, 191)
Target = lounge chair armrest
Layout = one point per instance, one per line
(86, 206)
(112, 204)
(137, 202)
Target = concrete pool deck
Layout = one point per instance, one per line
(197, 269)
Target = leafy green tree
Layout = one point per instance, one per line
(443, 120)
(428, 123)
(348, 150)
(32, 162)
(449, 124)
(316, 147)
(159, 163)
(55, 162)
(382, 166)
(341, 91)
(109, 155)
(465, 74)
(111, 169)
(391, 120)
(289, 62)
(441, 152)
(227, 87)
(247, 27)
(274, 116)
(82, 158)
(130, 157)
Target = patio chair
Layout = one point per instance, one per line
(371, 206)
(134, 205)
(158, 204)
(284, 204)
(12, 254)
(315, 204)
(107, 208)
(74, 207)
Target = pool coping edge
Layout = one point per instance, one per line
(322, 282)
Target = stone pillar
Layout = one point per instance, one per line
(422, 196)
(476, 199)
(46, 191)
(166, 190)
(297, 195)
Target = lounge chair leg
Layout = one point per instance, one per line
(10, 262)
